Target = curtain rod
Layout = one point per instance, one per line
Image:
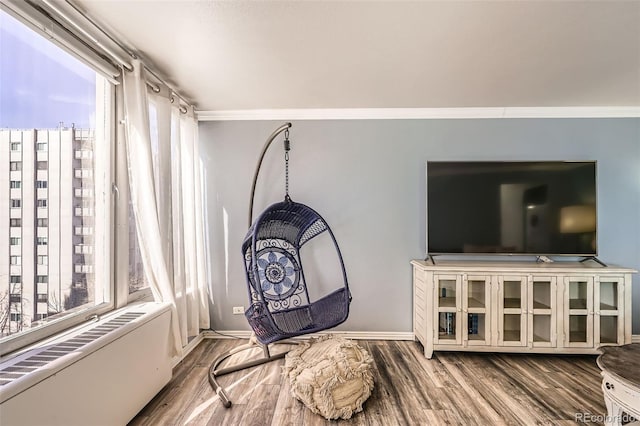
(74, 23)
(119, 58)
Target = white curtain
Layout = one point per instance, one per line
(166, 194)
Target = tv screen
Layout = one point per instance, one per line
(511, 207)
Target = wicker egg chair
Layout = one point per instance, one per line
(280, 306)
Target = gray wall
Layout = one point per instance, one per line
(367, 178)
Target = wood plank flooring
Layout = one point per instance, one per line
(452, 388)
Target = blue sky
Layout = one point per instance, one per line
(40, 84)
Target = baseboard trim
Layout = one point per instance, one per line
(355, 335)
(635, 338)
(420, 113)
(186, 350)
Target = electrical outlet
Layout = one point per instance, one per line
(238, 310)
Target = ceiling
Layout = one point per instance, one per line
(245, 55)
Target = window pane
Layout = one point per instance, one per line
(53, 107)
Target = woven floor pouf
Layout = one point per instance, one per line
(330, 375)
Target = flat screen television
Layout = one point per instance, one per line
(512, 207)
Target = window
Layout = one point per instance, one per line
(84, 230)
(84, 173)
(15, 260)
(16, 203)
(15, 298)
(68, 92)
(16, 317)
(83, 269)
(15, 146)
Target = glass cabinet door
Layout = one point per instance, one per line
(477, 296)
(541, 311)
(512, 310)
(578, 308)
(448, 309)
(609, 303)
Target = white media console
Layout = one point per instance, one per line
(560, 307)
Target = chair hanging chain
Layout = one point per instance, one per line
(287, 148)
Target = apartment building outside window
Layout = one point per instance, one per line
(71, 105)
(64, 155)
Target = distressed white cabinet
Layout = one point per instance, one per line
(562, 307)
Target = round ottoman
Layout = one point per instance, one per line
(330, 375)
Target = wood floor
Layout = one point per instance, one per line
(452, 388)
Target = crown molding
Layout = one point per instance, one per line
(420, 113)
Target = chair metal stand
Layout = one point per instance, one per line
(253, 343)
(280, 304)
(214, 371)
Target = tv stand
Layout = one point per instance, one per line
(595, 259)
(567, 307)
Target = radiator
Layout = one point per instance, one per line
(101, 374)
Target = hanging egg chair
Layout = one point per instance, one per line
(281, 307)
(280, 301)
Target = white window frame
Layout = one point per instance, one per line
(121, 240)
(74, 317)
(116, 205)
(13, 344)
